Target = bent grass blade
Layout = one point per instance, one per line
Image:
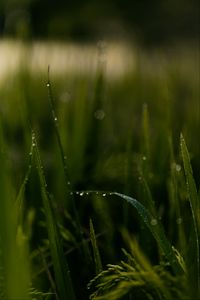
(152, 223)
(157, 231)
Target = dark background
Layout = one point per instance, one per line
(147, 22)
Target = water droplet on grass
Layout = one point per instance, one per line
(99, 114)
(104, 194)
(178, 168)
(154, 222)
(179, 221)
(144, 158)
(55, 119)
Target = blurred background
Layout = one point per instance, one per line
(148, 22)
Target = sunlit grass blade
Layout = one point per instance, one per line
(61, 269)
(193, 251)
(14, 266)
(97, 258)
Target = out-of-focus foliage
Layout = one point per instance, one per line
(147, 21)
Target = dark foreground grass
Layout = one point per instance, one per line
(99, 187)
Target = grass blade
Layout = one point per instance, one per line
(69, 194)
(194, 205)
(97, 258)
(20, 197)
(146, 135)
(61, 269)
(14, 266)
(157, 231)
(152, 223)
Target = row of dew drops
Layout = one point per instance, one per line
(153, 221)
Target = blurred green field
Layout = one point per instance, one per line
(108, 129)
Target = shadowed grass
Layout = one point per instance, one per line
(193, 248)
(61, 269)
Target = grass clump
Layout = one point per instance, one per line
(62, 229)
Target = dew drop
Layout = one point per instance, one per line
(178, 168)
(82, 193)
(144, 158)
(179, 221)
(104, 194)
(48, 84)
(55, 119)
(154, 222)
(99, 114)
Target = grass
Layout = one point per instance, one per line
(99, 186)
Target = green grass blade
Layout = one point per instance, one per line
(58, 137)
(152, 223)
(20, 197)
(69, 195)
(147, 196)
(157, 231)
(192, 190)
(146, 135)
(14, 266)
(97, 258)
(61, 269)
(194, 205)
(175, 205)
